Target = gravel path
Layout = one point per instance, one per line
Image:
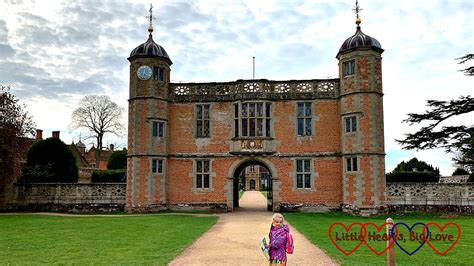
(235, 237)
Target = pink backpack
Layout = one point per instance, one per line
(289, 246)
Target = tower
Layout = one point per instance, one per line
(362, 134)
(147, 125)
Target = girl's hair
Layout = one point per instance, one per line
(278, 216)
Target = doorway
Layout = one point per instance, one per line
(252, 175)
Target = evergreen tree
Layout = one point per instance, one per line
(117, 160)
(451, 138)
(50, 160)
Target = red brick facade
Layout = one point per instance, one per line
(323, 181)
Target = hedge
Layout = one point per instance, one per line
(117, 160)
(409, 176)
(109, 176)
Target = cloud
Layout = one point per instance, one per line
(63, 50)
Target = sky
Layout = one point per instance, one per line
(53, 53)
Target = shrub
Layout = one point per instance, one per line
(408, 176)
(50, 160)
(460, 171)
(117, 160)
(109, 176)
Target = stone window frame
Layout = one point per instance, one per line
(310, 172)
(202, 120)
(267, 120)
(305, 118)
(252, 168)
(196, 173)
(351, 164)
(158, 73)
(155, 163)
(155, 128)
(349, 68)
(353, 122)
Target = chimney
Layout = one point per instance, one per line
(39, 134)
(55, 134)
(112, 147)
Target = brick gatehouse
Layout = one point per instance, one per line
(321, 140)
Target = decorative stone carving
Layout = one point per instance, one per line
(247, 144)
(202, 90)
(430, 194)
(68, 193)
(454, 179)
(222, 90)
(181, 90)
(251, 87)
(282, 88)
(304, 87)
(325, 87)
(254, 89)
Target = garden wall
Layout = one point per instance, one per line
(69, 197)
(430, 197)
(110, 197)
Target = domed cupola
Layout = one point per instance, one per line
(359, 40)
(150, 48)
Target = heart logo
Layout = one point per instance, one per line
(379, 238)
(410, 229)
(347, 238)
(431, 240)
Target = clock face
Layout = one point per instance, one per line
(144, 72)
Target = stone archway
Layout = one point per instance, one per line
(234, 172)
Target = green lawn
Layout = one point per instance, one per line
(149, 239)
(265, 193)
(316, 226)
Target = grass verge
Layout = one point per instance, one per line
(316, 226)
(153, 239)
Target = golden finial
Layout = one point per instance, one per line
(357, 9)
(150, 26)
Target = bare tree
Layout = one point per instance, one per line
(99, 115)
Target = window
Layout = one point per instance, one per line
(303, 173)
(158, 73)
(202, 174)
(252, 119)
(202, 121)
(304, 115)
(350, 123)
(349, 68)
(157, 166)
(351, 164)
(158, 129)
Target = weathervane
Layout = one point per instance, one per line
(151, 18)
(356, 10)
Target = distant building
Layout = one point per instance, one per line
(90, 156)
(254, 177)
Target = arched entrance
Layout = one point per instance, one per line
(252, 184)
(264, 185)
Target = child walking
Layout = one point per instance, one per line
(278, 236)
